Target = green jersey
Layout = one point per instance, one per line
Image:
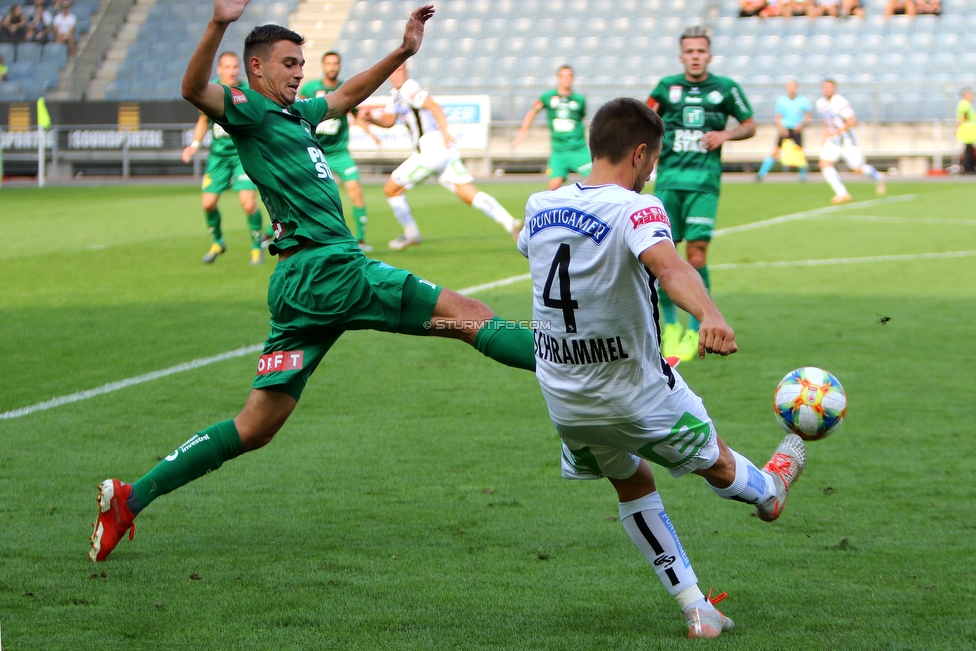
(222, 144)
(286, 162)
(333, 134)
(690, 110)
(565, 114)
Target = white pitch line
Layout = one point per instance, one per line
(832, 261)
(811, 213)
(912, 220)
(189, 366)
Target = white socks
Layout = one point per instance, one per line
(649, 527)
(490, 206)
(833, 178)
(868, 170)
(751, 485)
(401, 210)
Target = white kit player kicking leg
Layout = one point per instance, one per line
(598, 253)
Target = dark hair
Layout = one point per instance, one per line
(695, 31)
(621, 125)
(259, 42)
(332, 53)
(227, 53)
(565, 66)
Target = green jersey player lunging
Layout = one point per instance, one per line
(565, 110)
(333, 135)
(695, 107)
(323, 284)
(224, 171)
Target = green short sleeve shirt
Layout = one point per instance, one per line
(689, 111)
(332, 134)
(222, 144)
(280, 153)
(565, 114)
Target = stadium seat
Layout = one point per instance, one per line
(827, 25)
(10, 92)
(773, 26)
(28, 52)
(8, 52)
(900, 25)
(55, 52)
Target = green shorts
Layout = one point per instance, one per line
(320, 292)
(342, 165)
(692, 214)
(561, 163)
(224, 173)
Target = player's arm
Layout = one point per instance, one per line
(360, 118)
(199, 130)
(684, 286)
(381, 118)
(438, 113)
(778, 119)
(197, 89)
(352, 93)
(742, 131)
(526, 123)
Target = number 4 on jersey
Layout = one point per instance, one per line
(565, 302)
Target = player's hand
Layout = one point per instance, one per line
(227, 11)
(413, 35)
(713, 139)
(379, 143)
(716, 337)
(448, 140)
(188, 153)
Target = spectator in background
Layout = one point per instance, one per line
(894, 7)
(966, 131)
(64, 27)
(749, 8)
(789, 8)
(3, 69)
(40, 24)
(772, 9)
(850, 8)
(933, 7)
(13, 27)
(824, 8)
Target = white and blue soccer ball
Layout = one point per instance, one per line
(810, 402)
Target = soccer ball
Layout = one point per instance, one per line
(810, 402)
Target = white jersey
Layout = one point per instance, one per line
(407, 102)
(835, 112)
(597, 340)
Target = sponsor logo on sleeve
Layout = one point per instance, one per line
(282, 360)
(279, 230)
(237, 96)
(649, 215)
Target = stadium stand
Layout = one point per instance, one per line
(35, 67)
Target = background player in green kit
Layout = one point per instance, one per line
(224, 171)
(695, 107)
(565, 111)
(323, 284)
(333, 135)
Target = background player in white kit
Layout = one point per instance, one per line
(840, 141)
(436, 154)
(596, 253)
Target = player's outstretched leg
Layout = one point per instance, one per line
(213, 226)
(403, 214)
(735, 477)
(487, 204)
(119, 504)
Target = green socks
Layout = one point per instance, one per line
(693, 323)
(254, 226)
(507, 342)
(359, 214)
(213, 225)
(205, 451)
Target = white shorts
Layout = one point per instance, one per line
(678, 435)
(850, 152)
(433, 158)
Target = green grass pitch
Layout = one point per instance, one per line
(414, 501)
